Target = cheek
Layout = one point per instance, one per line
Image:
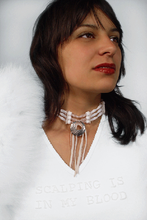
(119, 56)
(75, 60)
(118, 59)
(78, 53)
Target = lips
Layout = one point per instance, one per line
(107, 68)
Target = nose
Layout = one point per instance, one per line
(107, 46)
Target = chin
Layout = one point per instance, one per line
(108, 89)
(106, 85)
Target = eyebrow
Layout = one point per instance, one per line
(89, 25)
(96, 27)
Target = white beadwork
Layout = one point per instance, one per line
(68, 117)
(87, 118)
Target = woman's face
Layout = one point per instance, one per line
(90, 59)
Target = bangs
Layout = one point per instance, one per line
(76, 14)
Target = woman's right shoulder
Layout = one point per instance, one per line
(21, 97)
(16, 78)
(18, 84)
(21, 117)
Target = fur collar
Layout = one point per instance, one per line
(21, 117)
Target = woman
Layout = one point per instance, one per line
(89, 160)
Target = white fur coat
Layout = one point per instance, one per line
(21, 117)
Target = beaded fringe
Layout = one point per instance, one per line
(78, 121)
(81, 155)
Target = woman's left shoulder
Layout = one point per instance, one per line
(141, 143)
(142, 138)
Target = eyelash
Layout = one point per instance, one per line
(91, 35)
(115, 39)
(88, 35)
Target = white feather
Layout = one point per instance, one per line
(21, 117)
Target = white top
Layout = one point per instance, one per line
(111, 184)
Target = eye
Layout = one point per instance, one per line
(115, 39)
(87, 35)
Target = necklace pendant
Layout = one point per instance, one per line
(75, 131)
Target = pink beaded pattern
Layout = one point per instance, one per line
(87, 118)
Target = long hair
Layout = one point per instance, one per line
(54, 26)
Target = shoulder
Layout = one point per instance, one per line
(20, 92)
(21, 117)
(21, 99)
(21, 106)
(141, 145)
(21, 102)
(141, 139)
(17, 82)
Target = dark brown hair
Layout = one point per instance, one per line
(54, 26)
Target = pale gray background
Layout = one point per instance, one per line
(18, 16)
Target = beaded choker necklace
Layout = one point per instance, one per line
(79, 122)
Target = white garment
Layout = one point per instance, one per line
(35, 183)
(111, 183)
(21, 116)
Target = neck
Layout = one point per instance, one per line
(79, 105)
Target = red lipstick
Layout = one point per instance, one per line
(107, 68)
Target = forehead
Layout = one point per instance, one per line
(99, 19)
